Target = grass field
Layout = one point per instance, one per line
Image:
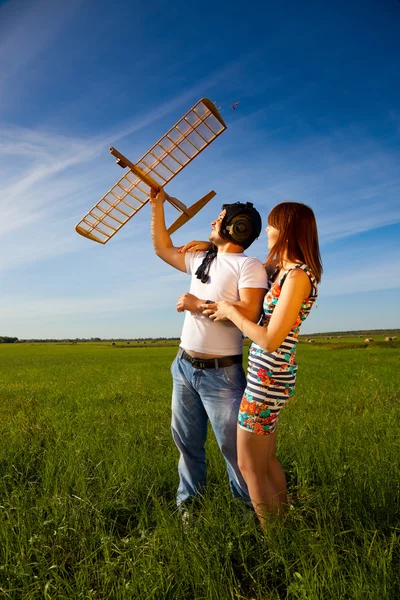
(88, 479)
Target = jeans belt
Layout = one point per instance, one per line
(210, 363)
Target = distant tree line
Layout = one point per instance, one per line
(364, 332)
(5, 339)
(11, 340)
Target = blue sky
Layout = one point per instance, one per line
(318, 122)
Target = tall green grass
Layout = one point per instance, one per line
(88, 479)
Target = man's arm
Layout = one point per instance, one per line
(162, 242)
(250, 303)
(253, 286)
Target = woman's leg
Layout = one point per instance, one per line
(276, 474)
(262, 472)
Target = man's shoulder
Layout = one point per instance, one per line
(253, 273)
(198, 254)
(252, 262)
(242, 261)
(193, 258)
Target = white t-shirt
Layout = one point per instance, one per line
(228, 274)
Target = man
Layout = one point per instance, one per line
(208, 377)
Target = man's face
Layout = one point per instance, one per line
(214, 236)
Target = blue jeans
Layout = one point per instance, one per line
(200, 395)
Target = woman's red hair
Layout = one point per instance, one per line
(297, 238)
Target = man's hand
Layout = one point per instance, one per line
(189, 302)
(157, 197)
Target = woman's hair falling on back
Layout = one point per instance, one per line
(297, 237)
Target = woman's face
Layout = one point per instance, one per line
(273, 235)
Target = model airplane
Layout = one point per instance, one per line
(174, 151)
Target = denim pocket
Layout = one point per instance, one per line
(234, 375)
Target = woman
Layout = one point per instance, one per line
(294, 252)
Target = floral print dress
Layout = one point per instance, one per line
(271, 377)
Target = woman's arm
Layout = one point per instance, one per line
(195, 246)
(295, 290)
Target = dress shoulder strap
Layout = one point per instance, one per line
(307, 271)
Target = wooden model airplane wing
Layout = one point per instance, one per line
(174, 151)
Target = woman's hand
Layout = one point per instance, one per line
(195, 246)
(217, 311)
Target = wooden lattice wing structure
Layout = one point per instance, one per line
(200, 126)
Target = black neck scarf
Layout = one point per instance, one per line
(202, 272)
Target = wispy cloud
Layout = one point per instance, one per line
(352, 276)
(350, 179)
(45, 172)
(58, 177)
(50, 178)
(117, 301)
(362, 218)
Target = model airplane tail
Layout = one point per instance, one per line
(197, 129)
(190, 212)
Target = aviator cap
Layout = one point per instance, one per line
(241, 224)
